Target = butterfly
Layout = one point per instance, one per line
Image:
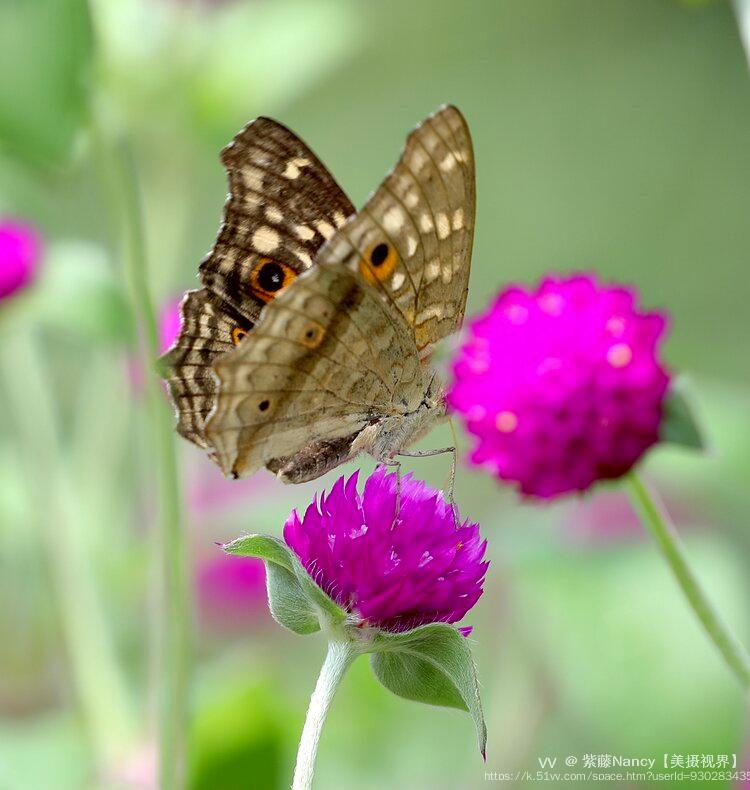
(310, 340)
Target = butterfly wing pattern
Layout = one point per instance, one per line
(282, 206)
(338, 363)
(413, 238)
(209, 328)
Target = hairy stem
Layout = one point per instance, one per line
(340, 655)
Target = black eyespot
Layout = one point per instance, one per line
(237, 334)
(271, 276)
(310, 334)
(379, 254)
(263, 405)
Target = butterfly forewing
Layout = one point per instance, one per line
(412, 240)
(282, 206)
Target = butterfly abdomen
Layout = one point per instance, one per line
(314, 460)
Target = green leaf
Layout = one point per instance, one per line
(288, 604)
(45, 53)
(679, 425)
(263, 547)
(294, 599)
(431, 664)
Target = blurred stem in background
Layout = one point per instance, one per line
(63, 527)
(742, 11)
(120, 181)
(654, 516)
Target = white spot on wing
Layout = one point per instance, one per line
(304, 257)
(432, 270)
(418, 159)
(458, 219)
(411, 246)
(339, 218)
(227, 262)
(425, 223)
(448, 163)
(397, 280)
(433, 311)
(304, 232)
(324, 228)
(443, 226)
(393, 220)
(293, 166)
(253, 178)
(265, 239)
(274, 215)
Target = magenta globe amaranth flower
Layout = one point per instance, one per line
(20, 253)
(423, 568)
(562, 386)
(381, 581)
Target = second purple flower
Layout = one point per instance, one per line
(563, 385)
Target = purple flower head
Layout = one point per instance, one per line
(20, 252)
(423, 569)
(562, 386)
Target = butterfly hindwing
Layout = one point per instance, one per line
(282, 206)
(327, 358)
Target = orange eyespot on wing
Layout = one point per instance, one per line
(237, 334)
(268, 277)
(378, 262)
(312, 335)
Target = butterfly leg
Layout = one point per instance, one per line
(452, 481)
(392, 462)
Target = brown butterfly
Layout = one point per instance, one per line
(310, 341)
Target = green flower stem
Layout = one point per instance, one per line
(656, 519)
(338, 659)
(119, 177)
(63, 525)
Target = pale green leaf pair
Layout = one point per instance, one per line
(431, 664)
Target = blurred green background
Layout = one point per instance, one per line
(609, 136)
